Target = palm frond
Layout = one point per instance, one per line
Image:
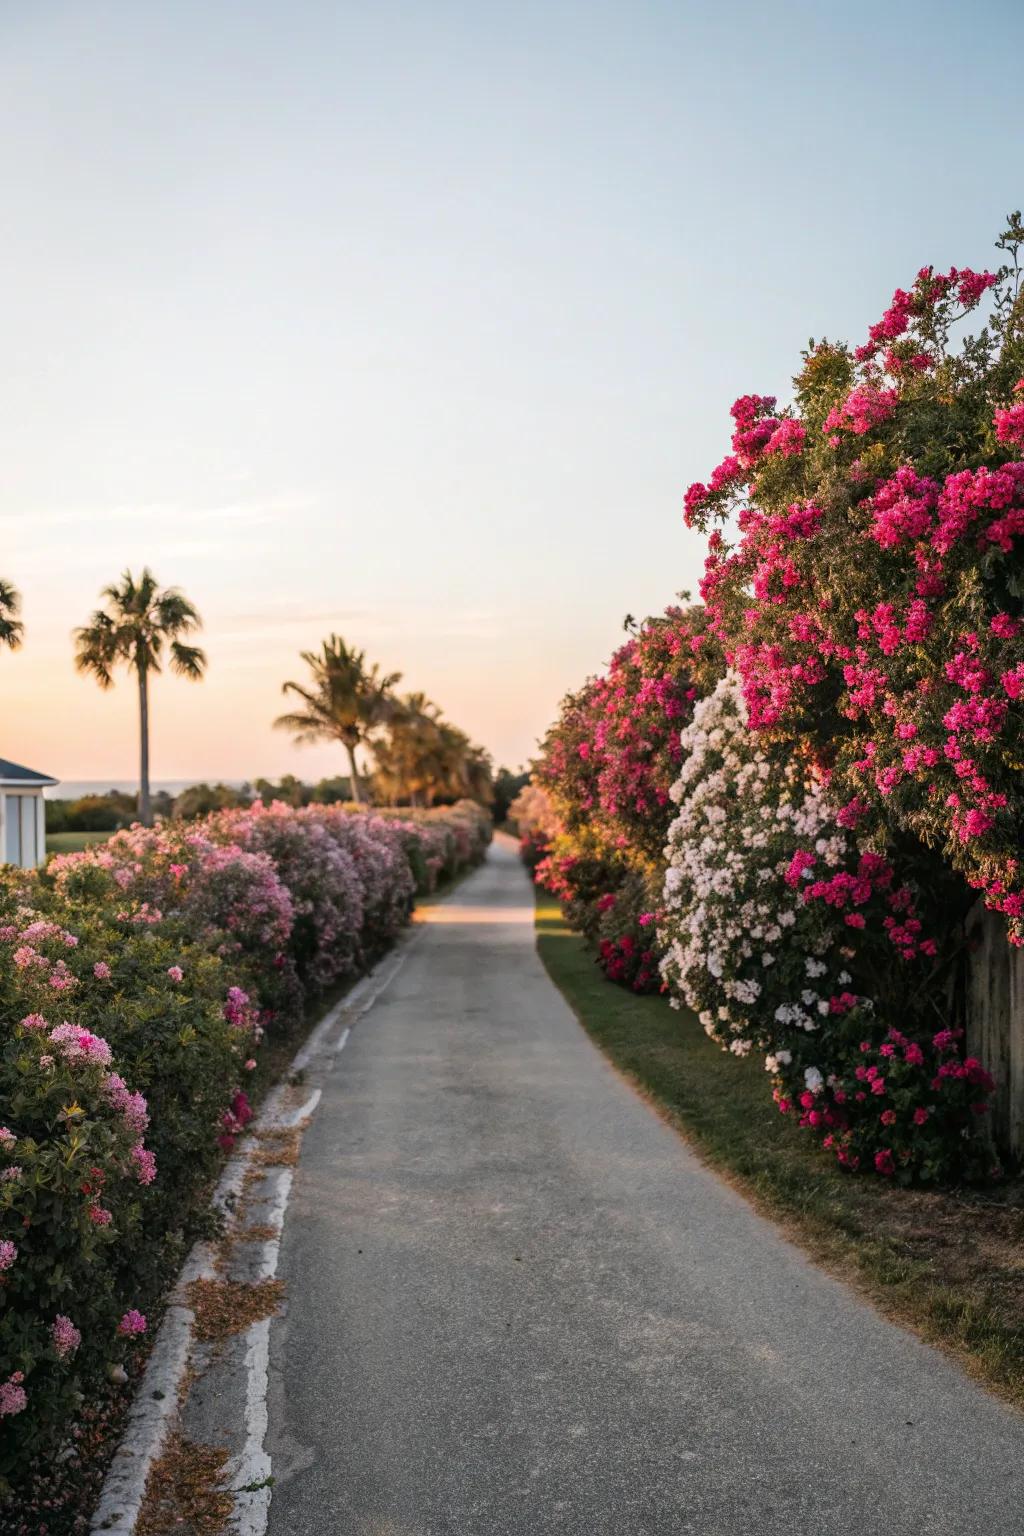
(305, 728)
(11, 627)
(303, 693)
(188, 660)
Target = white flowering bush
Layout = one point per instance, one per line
(783, 936)
(737, 937)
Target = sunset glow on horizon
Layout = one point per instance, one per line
(413, 322)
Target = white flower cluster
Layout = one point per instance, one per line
(740, 947)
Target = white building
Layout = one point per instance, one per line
(22, 815)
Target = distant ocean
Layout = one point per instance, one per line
(74, 789)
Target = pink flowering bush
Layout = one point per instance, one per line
(441, 841)
(378, 850)
(612, 756)
(870, 596)
(216, 893)
(628, 949)
(583, 873)
(319, 875)
(911, 1109)
(178, 1044)
(137, 982)
(607, 767)
(75, 1166)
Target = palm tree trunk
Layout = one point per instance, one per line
(356, 787)
(145, 808)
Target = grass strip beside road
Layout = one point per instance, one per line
(947, 1263)
(73, 842)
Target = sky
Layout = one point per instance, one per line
(412, 321)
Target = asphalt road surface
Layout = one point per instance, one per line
(517, 1302)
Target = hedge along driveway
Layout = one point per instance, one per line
(170, 952)
(944, 1263)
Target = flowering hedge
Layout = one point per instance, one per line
(137, 982)
(533, 815)
(870, 598)
(855, 779)
(607, 768)
(612, 756)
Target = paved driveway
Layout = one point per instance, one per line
(517, 1303)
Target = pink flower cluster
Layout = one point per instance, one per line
(238, 1009)
(132, 1107)
(234, 1120)
(864, 409)
(65, 1336)
(144, 1163)
(13, 1398)
(919, 1098)
(931, 290)
(76, 1044)
(629, 963)
(1009, 423)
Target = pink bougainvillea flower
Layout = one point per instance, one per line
(77, 1044)
(13, 1398)
(145, 1163)
(65, 1336)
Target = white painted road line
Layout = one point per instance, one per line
(315, 1042)
(250, 1472)
(304, 1112)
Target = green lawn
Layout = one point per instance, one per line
(946, 1263)
(72, 842)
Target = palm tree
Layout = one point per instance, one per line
(134, 627)
(478, 775)
(405, 758)
(11, 627)
(346, 701)
(424, 757)
(462, 768)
